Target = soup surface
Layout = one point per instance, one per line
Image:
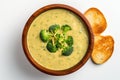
(55, 61)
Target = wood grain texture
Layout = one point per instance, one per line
(53, 72)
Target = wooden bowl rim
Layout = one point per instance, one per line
(55, 72)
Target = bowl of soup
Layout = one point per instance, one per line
(57, 39)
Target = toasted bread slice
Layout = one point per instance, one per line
(103, 49)
(96, 19)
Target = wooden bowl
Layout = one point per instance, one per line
(57, 72)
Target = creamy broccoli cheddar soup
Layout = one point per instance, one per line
(56, 60)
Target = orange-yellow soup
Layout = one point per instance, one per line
(55, 61)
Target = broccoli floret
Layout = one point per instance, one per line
(67, 51)
(59, 37)
(66, 28)
(54, 28)
(55, 38)
(44, 35)
(58, 45)
(59, 40)
(51, 47)
(69, 40)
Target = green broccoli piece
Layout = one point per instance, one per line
(59, 37)
(58, 45)
(54, 28)
(69, 40)
(55, 38)
(59, 40)
(66, 28)
(51, 47)
(44, 35)
(67, 51)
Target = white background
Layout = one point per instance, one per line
(15, 66)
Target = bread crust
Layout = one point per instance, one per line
(103, 49)
(96, 19)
